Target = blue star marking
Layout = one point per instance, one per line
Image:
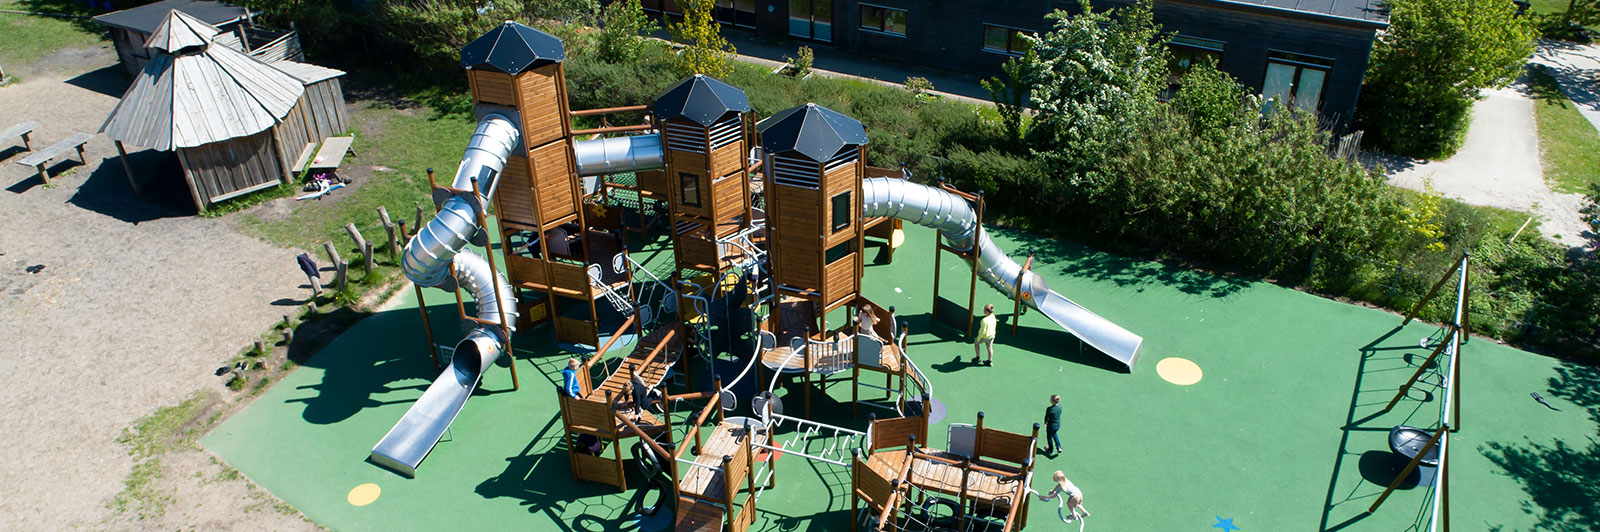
(1225, 524)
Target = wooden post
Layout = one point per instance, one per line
(977, 252)
(417, 223)
(261, 347)
(288, 331)
(388, 227)
(1421, 368)
(333, 253)
(343, 275)
(1431, 291)
(127, 170)
(361, 244)
(1016, 309)
(1410, 467)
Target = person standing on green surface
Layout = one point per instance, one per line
(1052, 425)
(985, 337)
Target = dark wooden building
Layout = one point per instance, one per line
(1313, 53)
(131, 28)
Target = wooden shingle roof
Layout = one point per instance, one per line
(200, 95)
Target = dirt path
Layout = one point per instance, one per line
(1498, 166)
(137, 304)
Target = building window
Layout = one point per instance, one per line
(811, 19)
(740, 13)
(662, 6)
(841, 211)
(1001, 39)
(1295, 79)
(883, 19)
(1186, 53)
(691, 189)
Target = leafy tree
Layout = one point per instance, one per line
(707, 52)
(621, 40)
(583, 12)
(1213, 101)
(1010, 95)
(1094, 77)
(1428, 67)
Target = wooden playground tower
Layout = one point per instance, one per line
(539, 199)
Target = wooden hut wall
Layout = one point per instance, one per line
(222, 170)
(130, 49)
(323, 106)
(293, 134)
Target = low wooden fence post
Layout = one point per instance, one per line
(343, 275)
(388, 227)
(361, 244)
(333, 254)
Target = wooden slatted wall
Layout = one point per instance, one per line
(222, 169)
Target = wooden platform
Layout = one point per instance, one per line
(723, 441)
(698, 516)
(651, 371)
(940, 477)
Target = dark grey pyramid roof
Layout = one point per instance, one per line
(512, 48)
(814, 131)
(701, 99)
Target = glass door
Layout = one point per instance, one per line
(740, 13)
(811, 19)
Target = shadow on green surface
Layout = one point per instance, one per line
(1077, 260)
(1560, 479)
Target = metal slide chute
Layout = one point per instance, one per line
(436, 257)
(923, 205)
(957, 223)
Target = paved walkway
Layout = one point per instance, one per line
(1577, 68)
(1497, 166)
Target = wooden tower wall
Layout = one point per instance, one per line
(800, 219)
(539, 190)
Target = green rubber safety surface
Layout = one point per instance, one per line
(1284, 432)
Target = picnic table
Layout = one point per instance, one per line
(331, 155)
(39, 158)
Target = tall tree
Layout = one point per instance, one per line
(1430, 65)
(1095, 76)
(707, 52)
(621, 39)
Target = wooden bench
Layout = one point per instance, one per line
(21, 129)
(39, 158)
(305, 158)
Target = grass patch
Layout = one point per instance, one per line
(139, 491)
(31, 37)
(1569, 146)
(239, 203)
(399, 140)
(166, 429)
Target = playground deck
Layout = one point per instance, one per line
(1282, 432)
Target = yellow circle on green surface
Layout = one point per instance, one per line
(363, 495)
(1179, 371)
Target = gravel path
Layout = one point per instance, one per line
(137, 305)
(1498, 166)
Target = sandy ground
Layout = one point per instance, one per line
(137, 304)
(1498, 166)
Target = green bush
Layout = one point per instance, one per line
(1428, 67)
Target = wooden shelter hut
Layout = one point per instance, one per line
(237, 124)
(131, 28)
